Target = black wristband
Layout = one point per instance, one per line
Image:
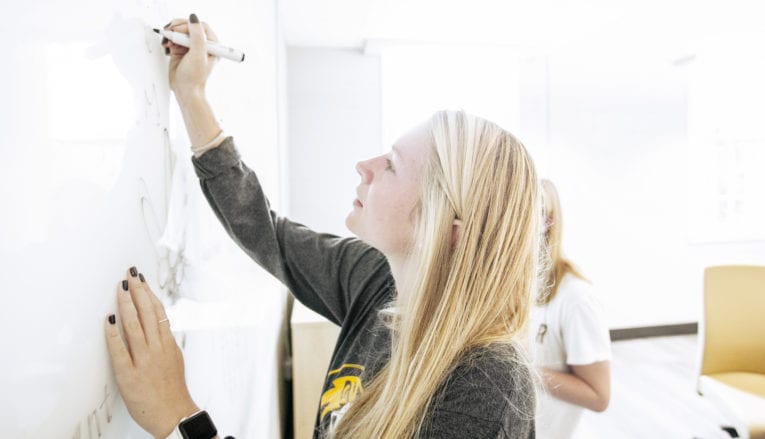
(199, 426)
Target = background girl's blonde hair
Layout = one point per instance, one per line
(557, 266)
(458, 297)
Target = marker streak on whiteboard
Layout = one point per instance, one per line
(170, 259)
(149, 39)
(100, 416)
(155, 102)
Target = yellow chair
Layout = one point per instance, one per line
(733, 351)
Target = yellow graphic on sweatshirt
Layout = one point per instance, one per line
(344, 388)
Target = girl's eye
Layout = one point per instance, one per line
(388, 165)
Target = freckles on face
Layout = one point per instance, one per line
(388, 193)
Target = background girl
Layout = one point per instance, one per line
(569, 338)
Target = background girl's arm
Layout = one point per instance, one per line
(588, 386)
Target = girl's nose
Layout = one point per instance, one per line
(364, 171)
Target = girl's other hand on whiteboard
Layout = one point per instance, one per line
(147, 363)
(190, 67)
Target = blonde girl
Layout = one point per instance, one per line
(431, 295)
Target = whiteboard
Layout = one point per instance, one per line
(85, 183)
(95, 176)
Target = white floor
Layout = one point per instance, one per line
(653, 394)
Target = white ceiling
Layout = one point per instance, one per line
(673, 27)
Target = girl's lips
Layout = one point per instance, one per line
(357, 203)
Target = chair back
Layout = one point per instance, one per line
(734, 319)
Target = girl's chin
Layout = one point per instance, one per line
(349, 223)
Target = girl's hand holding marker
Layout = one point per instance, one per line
(213, 48)
(190, 66)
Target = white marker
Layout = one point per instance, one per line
(212, 48)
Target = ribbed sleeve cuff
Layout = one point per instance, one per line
(217, 160)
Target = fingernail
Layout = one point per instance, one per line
(112, 319)
(167, 25)
(140, 276)
(133, 272)
(167, 51)
(124, 285)
(164, 40)
(193, 18)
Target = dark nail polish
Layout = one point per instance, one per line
(167, 51)
(167, 25)
(164, 40)
(193, 18)
(133, 271)
(112, 319)
(124, 285)
(140, 276)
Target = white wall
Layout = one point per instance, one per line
(334, 121)
(615, 140)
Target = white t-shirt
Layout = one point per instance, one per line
(576, 335)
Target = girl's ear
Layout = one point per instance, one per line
(456, 232)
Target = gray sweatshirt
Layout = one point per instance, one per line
(489, 393)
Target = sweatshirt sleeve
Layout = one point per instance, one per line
(325, 272)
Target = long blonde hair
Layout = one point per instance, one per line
(471, 293)
(557, 264)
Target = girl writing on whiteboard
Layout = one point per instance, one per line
(570, 341)
(431, 296)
